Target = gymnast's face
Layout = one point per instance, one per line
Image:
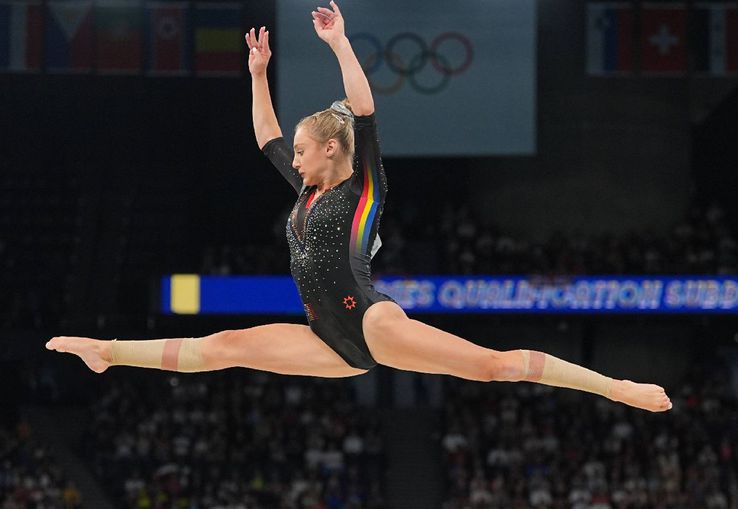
(312, 157)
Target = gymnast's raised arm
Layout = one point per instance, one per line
(329, 26)
(266, 126)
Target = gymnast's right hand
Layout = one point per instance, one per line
(259, 52)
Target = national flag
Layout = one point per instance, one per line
(664, 38)
(119, 37)
(69, 31)
(716, 38)
(609, 38)
(168, 41)
(21, 35)
(218, 39)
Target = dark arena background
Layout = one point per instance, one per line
(584, 205)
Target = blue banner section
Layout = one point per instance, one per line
(277, 295)
(566, 295)
(254, 294)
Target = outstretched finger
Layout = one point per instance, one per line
(248, 40)
(266, 40)
(335, 7)
(326, 12)
(261, 35)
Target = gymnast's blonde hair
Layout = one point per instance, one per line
(336, 122)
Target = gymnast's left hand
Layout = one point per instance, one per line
(329, 24)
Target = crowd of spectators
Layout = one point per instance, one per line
(530, 446)
(235, 439)
(30, 478)
(456, 241)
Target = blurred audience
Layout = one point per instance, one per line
(43, 248)
(532, 446)
(29, 475)
(236, 440)
(457, 242)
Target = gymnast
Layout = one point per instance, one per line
(335, 168)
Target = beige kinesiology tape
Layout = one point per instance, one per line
(549, 370)
(183, 355)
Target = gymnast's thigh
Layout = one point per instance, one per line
(402, 343)
(285, 348)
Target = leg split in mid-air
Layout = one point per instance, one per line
(393, 339)
(402, 343)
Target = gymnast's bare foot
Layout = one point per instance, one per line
(94, 352)
(646, 396)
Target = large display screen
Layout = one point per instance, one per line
(193, 294)
(449, 79)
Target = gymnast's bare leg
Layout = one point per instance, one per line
(287, 349)
(399, 342)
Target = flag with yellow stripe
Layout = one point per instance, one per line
(218, 39)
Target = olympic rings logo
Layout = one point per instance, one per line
(440, 54)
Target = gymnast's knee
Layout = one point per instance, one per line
(382, 318)
(217, 348)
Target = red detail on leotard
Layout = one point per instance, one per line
(309, 200)
(310, 312)
(349, 302)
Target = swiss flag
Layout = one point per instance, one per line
(664, 38)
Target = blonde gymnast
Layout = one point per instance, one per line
(335, 167)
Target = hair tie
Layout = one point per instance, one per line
(342, 109)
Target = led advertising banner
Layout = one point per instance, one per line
(193, 294)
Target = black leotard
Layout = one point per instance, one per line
(332, 240)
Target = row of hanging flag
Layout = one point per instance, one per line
(662, 38)
(121, 37)
(205, 39)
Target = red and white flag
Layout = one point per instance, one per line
(664, 39)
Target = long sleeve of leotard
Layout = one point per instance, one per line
(369, 178)
(370, 184)
(280, 154)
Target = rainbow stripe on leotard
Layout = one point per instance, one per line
(366, 210)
